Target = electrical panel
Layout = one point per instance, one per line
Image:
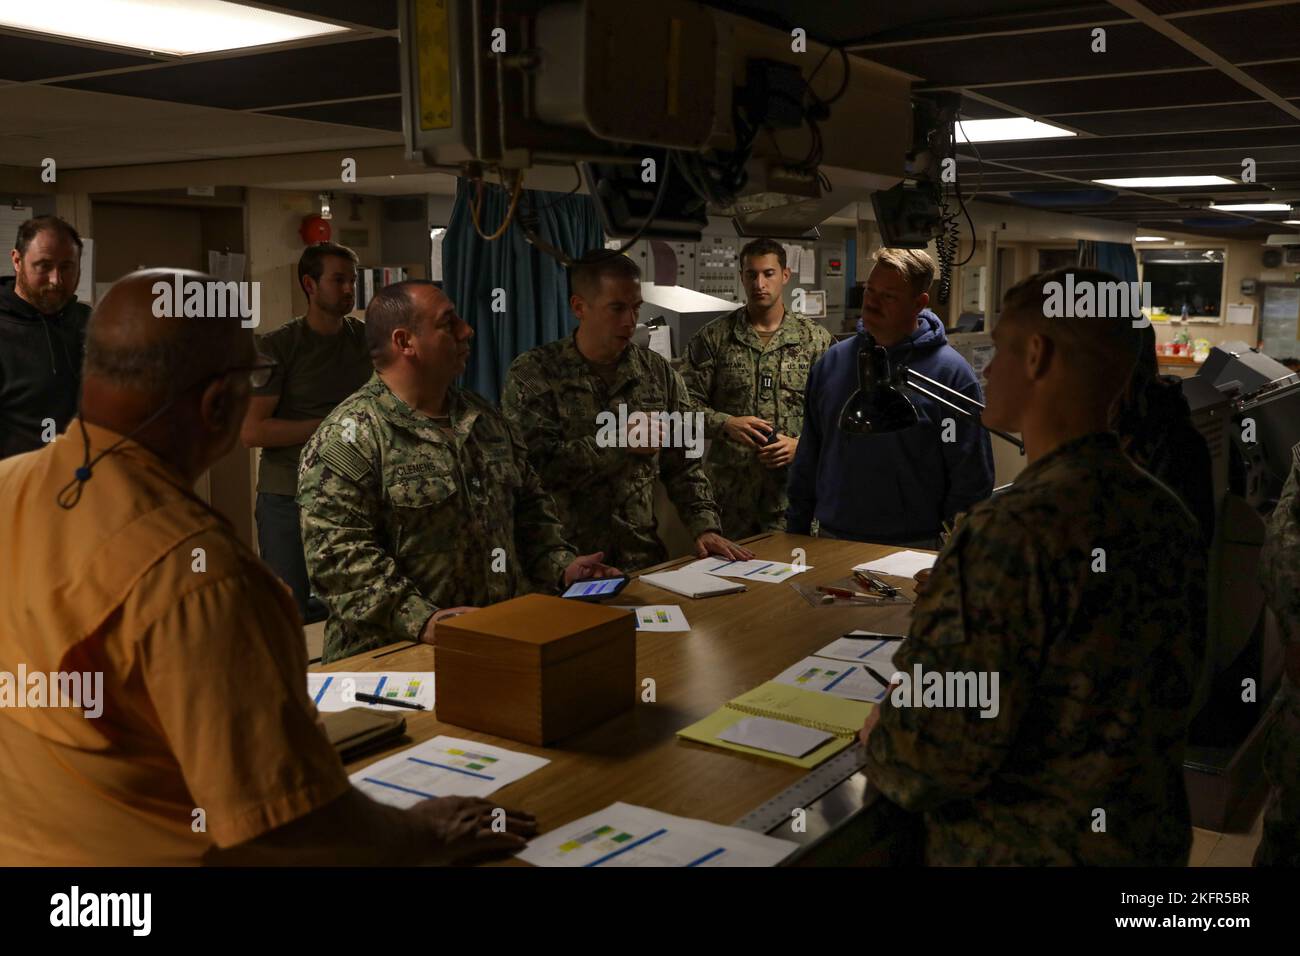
(717, 268)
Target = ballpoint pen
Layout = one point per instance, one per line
(372, 699)
(876, 677)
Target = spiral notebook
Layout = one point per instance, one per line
(834, 715)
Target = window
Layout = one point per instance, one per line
(1178, 277)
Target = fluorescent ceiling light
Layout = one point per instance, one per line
(1137, 182)
(1253, 207)
(1291, 222)
(1150, 239)
(181, 27)
(1015, 127)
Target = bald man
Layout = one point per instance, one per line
(192, 738)
(418, 502)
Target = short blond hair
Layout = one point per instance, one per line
(915, 264)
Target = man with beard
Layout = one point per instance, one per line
(321, 358)
(418, 501)
(42, 331)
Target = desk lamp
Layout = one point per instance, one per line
(879, 404)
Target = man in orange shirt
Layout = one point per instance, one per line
(205, 747)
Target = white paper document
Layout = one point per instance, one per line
(807, 267)
(443, 767)
(775, 736)
(658, 617)
(903, 564)
(840, 678)
(661, 341)
(1241, 314)
(871, 650)
(627, 835)
(436, 237)
(773, 572)
(332, 691)
(226, 266)
(792, 253)
(691, 584)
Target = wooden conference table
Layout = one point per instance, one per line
(736, 642)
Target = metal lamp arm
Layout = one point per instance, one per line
(909, 374)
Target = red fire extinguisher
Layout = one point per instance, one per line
(314, 230)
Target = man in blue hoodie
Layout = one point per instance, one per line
(896, 487)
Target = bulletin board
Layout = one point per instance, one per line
(1279, 320)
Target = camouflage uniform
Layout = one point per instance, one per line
(1279, 571)
(729, 372)
(1096, 672)
(403, 520)
(605, 496)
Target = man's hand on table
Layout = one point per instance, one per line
(428, 635)
(463, 827)
(586, 566)
(711, 543)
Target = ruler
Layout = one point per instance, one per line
(818, 782)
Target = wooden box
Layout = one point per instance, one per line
(536, 668)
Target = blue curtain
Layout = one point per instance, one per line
(1117, 258)
(535, 284)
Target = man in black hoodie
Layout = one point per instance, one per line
(42, 331)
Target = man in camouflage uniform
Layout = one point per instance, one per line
(417, 498)
(747, 371)
(554, 394)
(1083, 589)
(1279, 571)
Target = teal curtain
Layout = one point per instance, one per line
(535, 285)
(1117, 258)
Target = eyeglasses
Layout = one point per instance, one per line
(258, 375)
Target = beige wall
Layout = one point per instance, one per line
(274, 244)
(369, 210)
(76, 209)
(273, 250)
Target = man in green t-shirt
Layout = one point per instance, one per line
(321, 358)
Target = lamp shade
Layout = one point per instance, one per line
(878, 405)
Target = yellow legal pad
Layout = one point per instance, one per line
(826, 712)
